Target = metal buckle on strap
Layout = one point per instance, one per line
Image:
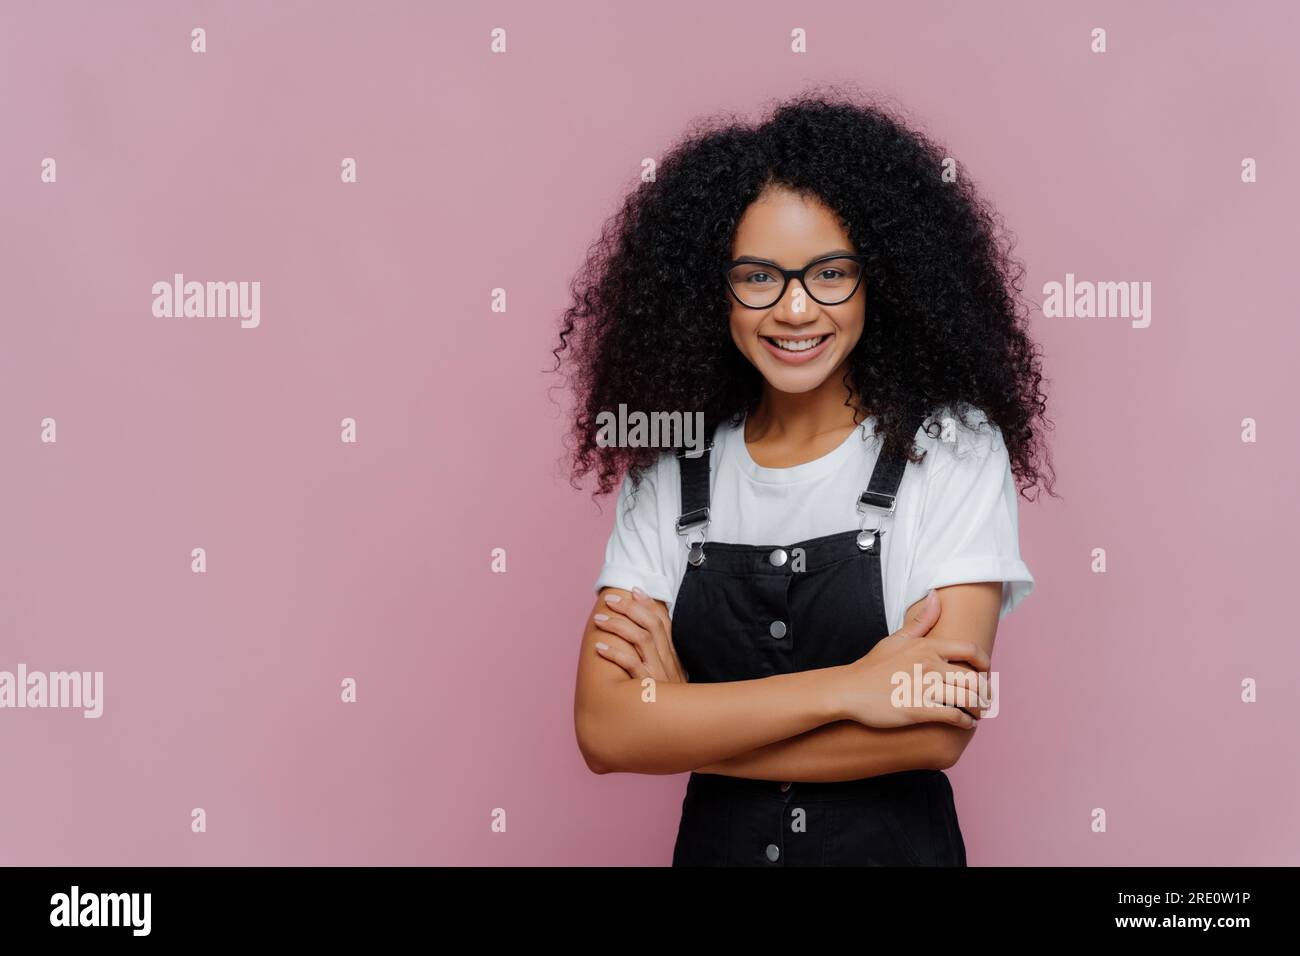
(694, 519)
(869, 538)
(876, 499)
(708, 446)
(700, 516)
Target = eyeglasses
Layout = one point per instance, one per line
(830, 280)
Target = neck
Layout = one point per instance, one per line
(803, 415)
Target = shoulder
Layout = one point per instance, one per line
(644, 497)
(655, 494)
(963, 440)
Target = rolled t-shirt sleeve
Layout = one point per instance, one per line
(970, 526)
(635, 554)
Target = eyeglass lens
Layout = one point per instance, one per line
(829, 282)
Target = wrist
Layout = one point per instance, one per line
(835, 693)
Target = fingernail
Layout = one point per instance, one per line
(638, 593)
(612, 599)
(601, 617)
(603, 646)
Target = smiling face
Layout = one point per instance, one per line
(797, 344)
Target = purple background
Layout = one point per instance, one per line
(477, 171)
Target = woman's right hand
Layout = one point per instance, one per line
(869, 682)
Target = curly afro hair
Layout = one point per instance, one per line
(648, 326)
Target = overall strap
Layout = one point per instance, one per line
(887, 475)
(695, 488)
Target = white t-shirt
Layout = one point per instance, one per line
(956, 518)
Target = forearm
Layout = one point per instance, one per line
(847, 750)
(688, 725)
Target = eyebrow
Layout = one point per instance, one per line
(773, 262)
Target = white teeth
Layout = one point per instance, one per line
(798, 345)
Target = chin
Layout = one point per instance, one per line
(793, 381)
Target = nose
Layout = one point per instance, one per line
(796, 307)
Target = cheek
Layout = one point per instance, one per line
(851, 326)
(742, 330)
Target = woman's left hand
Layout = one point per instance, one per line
(643, 623)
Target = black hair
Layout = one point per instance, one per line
(648, 326)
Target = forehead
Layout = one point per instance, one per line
(789, 228)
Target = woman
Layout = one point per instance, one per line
(843, 314)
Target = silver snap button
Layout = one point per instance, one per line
(773, 852)
(696, 554)
(867, 540)
(778, 557)
(777, 629)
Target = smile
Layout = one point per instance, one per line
(797, 349)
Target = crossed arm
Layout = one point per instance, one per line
(787, 727)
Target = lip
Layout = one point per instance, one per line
(798, 358)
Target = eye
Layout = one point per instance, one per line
(754, 277)
(834, 273)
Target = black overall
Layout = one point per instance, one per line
(745, 612)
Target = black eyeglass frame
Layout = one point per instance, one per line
(788, 274)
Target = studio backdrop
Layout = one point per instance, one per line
(307, 537)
